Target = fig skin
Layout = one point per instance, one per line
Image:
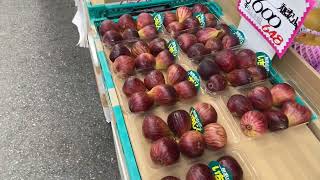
(145, 62)
(170, 178)
(253, 123)
(258, 73)
(174, 28)
(130, 34)
(185, 90)
(204, 35)
(207, 68)
(199, 8)
(215, 136)
(197, 50)
(169, 17)
(230, 41)
(239, 77)
(140, 102)
(164, 59)
(164, 94)
(281, 93)
(276, 120)
(260, 98)
(191, 24)
(154, 78)
(239, 105)
(143, 20)
(126, 21)
(296, 113)
(165, 151)
(148, 32)
(192, 144)
(133, 85)
(233, 166)
(118, 50)
(211, 20)
(186, 40)
(246, 58)
(199, 172)
(226, 60)
(154, 128)
(183, 13)
(216, 83)
(179, 122)
(157, 45)
(111, 37)
(139, 47)
(124, 66)
(176, 73)
(207, 113)
(108, 25)
(214, 45)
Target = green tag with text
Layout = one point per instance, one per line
(202, 19)
(195, 120)
(219, 172)
(173, 47)
(263, 60)
(158, 21)
(194, 78)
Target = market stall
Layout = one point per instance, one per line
(189, 97)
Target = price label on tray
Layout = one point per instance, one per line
(278, 21)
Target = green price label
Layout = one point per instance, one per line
(239, 34)
(263, 60)
(219, 171)
(158, 21)
(202, 19)
(173, 48)
(194, 78)
(195, 120)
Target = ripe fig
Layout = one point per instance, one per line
(200, 8)
(179, 122)
(258, 73)
(207, 113)
(118, 50)
(164, 59)
(139, 47)
(186, 40)
(185, 90)
(233, 166)
(140, 102)
(214, 45)
(226, 60)
(197, 50)
(246, 58)
(133, 85)
(230, 41)
(124, 66)
(126, 21)
(183, 13)
(111, 37)
(191, 24)
(216, 83)
(208, 33)
(130, 34)
(260, 98)
(239, 77)
(176, 74)
(211, 20)
(164, 94)
(253, 123)
(281, 93)
(157, 45)
(192, 144)
(145, 62)
(143, 20)
(174, 28)
(239, 105)
(207, 68)
(199, 172)
(153, 79)
(148, 32)
(276, 120)
(296, 113)
(169, 17)
(154, 128)
(165, 151)
(108, 25)
(215, 136)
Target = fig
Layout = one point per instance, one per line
(214, 45)
(281, 93)
(164, 59)
(140, 102)
(126, 21)
(296, 113)
(199, 172)
(143, 20)
(211, 20)
(176, 74)
(130, 34)
(139, 47)
(165, 151)
(186, 40)
(207, 113)
(145, 62)
(153, 79)
(246, 58)
(124, 66)
(230, 41)
(226, 29)
(207, 68)
(179, 122)
(208, 33)
(174, 28)
(233, 166)
(118, 50)
(192, 144)
(253, 123)
(157, 45)
(108, 25)
(258, 73)
(239, 77)
(154, 128)
(239, 105)
(197, 50)
(185, 90)
(226, 60)
(169, 17)
(192, 24)
(111, 37)
(200, 8)
(148, 32)
(183, 13)
(215, 136)
(276, 120)
(133, 85)
(170, 178)
(164, 94)
(216, 83)
(260, 98)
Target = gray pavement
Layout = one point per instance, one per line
(51, 123)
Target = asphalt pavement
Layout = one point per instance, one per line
(51, 122)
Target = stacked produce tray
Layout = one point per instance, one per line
(129, 124)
